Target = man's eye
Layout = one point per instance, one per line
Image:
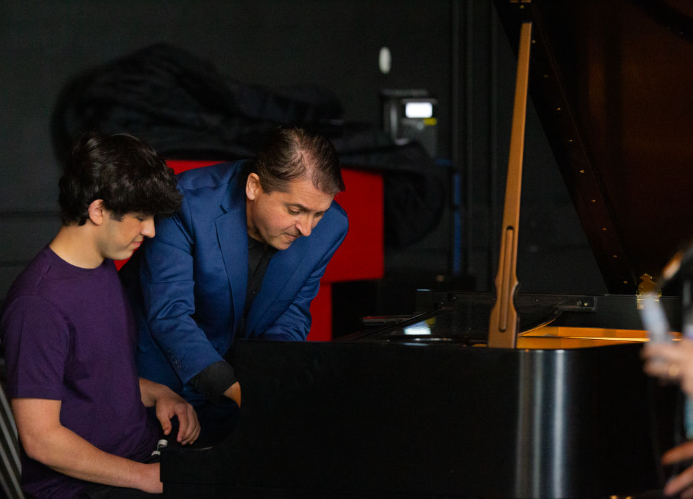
(294, 211)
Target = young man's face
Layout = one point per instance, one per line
(119, 239)
(279, 218)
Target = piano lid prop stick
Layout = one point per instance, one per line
(503, 325)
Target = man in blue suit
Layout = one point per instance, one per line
(242, 258)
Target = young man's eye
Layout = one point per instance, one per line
(294, 211)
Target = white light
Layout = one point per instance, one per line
(385, 60)
(418, 329)
(418, 110)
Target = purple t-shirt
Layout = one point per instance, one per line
(69, 335)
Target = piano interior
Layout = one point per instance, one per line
(422, 406)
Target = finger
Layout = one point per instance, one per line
(678, 453)
(661, 369)
(191, 423)
(680, 482)
(655, 368)
(182, 414)
(198, 430)
(664, 351)
(192, 430)
(680, 352)
(195, 427)
(164, 421)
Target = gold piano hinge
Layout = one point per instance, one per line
(647, 285)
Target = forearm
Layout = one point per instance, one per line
(68, 453)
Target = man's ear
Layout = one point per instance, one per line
(97, 212)
(252, 186)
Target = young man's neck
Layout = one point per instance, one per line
(75, 244)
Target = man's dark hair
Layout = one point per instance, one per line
(291, 153)
(121, 170)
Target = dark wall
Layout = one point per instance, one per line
(273, 43)
(453, 49)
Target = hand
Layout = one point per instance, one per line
(671, 361)
(234, 393)
(682, 483)
(170, 404)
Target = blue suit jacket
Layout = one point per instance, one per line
(193, 277)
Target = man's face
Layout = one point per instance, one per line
(118, 239)
(279, 218)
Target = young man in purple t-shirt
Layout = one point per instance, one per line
(70, 339)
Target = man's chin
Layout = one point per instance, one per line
(282, 245)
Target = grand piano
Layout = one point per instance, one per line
(503, 395)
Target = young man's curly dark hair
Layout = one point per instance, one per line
(120, 169)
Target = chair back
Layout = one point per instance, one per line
(10, 466)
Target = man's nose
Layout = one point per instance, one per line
(304, 225)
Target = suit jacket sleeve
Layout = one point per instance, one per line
(167, 283)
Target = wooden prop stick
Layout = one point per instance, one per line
(504, 320)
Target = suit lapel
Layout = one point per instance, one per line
(233, 242)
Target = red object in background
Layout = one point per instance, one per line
(361, 255)
(182, 165)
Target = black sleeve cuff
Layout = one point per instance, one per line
(214, 381)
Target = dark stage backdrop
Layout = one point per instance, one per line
(456, 50)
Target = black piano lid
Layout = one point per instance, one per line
(612, 82)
